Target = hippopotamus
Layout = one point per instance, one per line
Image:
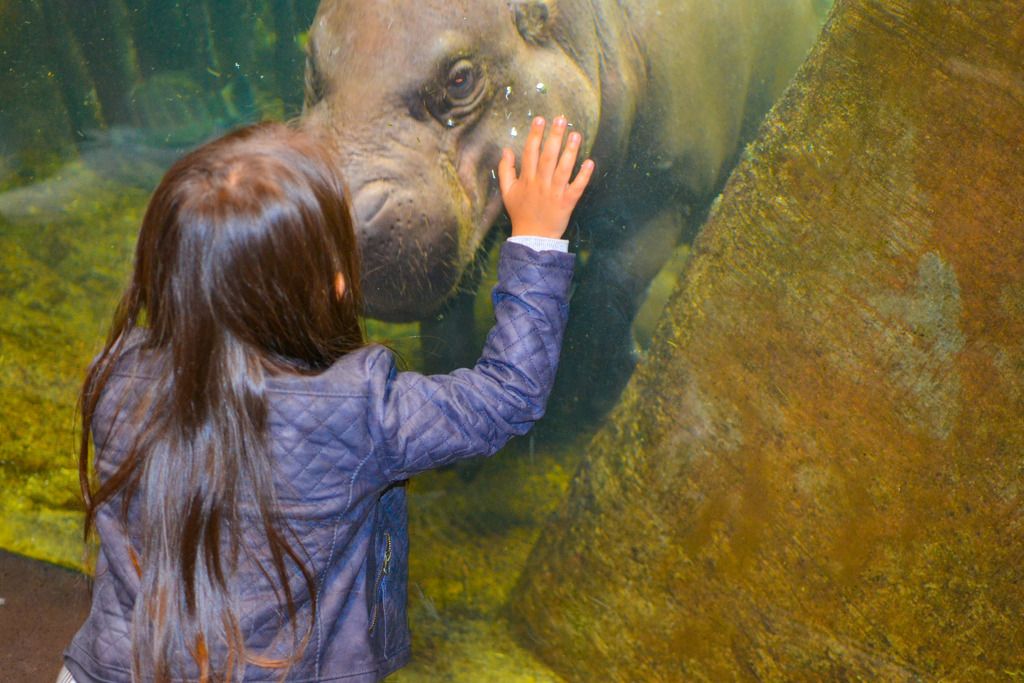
(421, 97)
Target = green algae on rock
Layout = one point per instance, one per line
(816, 472)
(60, 273)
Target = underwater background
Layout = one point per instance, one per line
(815, 473)
(98, 99)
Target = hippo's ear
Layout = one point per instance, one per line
(532, 19)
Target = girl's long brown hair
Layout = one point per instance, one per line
(234, 280)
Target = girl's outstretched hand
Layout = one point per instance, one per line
(542, 198)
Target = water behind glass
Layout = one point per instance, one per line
(96, 100)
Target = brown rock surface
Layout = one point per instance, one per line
(817, 473)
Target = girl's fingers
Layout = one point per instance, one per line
(532, 149)
(506, 171)
(552, 146)
(579, 183)
(566, 162)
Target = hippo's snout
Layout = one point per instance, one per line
(409, 253)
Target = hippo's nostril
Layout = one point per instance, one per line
(369, 201)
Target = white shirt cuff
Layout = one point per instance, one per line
(541, 243)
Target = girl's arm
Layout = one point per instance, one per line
(427, 421)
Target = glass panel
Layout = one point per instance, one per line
(98, 98)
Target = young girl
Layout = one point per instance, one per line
(250, 449)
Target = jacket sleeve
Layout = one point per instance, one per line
(423, 422)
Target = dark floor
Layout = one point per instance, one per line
(41, 607)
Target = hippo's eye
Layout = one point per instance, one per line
(456, 94)
(461, 83)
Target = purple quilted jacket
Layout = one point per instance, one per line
(345, 440)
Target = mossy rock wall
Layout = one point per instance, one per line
(816, 474)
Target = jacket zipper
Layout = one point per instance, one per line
(380, 579)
